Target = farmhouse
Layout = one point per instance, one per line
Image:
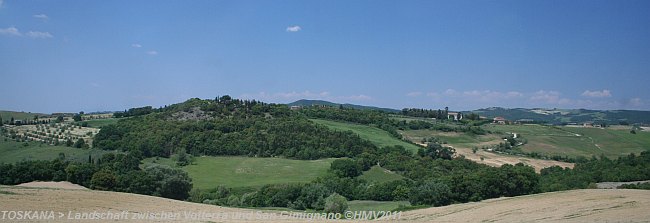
(295, 107)
(455, 116)
(500, 120)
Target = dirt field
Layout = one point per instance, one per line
(54, 185)
(569, 206)
(497, 160)
(86, 201)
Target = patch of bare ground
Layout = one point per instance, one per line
(494, 159)
(568, 206)
(54, 185)
(86, 201)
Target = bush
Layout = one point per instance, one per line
(103, 180)
(170, 183)
(336, 203)
(431, 193)
(345, 168)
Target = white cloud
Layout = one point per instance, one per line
(636, 102)
(152, 52)
(450, 92)
(293, 95)
(597, 94)
(360, 97)
(414, 94)
(136, 45)
(11, 31)
(293, 29)
(41, 16)
(549, 97)
(39, 35)
(491, 96)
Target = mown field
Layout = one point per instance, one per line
(453, 138)
(375, 205)
(7, 115)
(98, 123)
(233, 171)
(377, 136)
(11, 152)
(577, 141)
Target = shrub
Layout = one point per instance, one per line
(336, 203)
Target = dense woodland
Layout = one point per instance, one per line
(226, 126)
(229, 127)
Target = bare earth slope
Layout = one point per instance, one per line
(569, 206)
(594, 205)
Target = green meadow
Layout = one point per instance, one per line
(234, 171)
(377, 136)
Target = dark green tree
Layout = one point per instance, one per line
(80, 143)
(345, 168)
(431, 193)
(170, 183)
(103, 180)
(437, 151)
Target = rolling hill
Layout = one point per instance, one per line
(560, 116)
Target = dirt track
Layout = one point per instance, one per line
(571, 206)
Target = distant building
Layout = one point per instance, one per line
(500, 120)
(295, 107)
(456, 116)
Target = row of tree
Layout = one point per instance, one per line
(113, 172)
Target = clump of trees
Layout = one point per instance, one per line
(112, 172)
(134, 112)
(602, 169)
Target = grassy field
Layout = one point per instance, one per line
(452, 138)
(377, 136)
(578, 141)
(233, 171)
(98, 123)
(379, 175)
(6, 115)
(11, 152)
(375, 205)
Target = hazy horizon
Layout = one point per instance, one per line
(70, 56)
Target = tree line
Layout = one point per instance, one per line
(112, 172)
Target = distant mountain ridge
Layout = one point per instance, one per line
(306, 102)
(564, 116)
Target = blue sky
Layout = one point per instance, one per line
(111, 55)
